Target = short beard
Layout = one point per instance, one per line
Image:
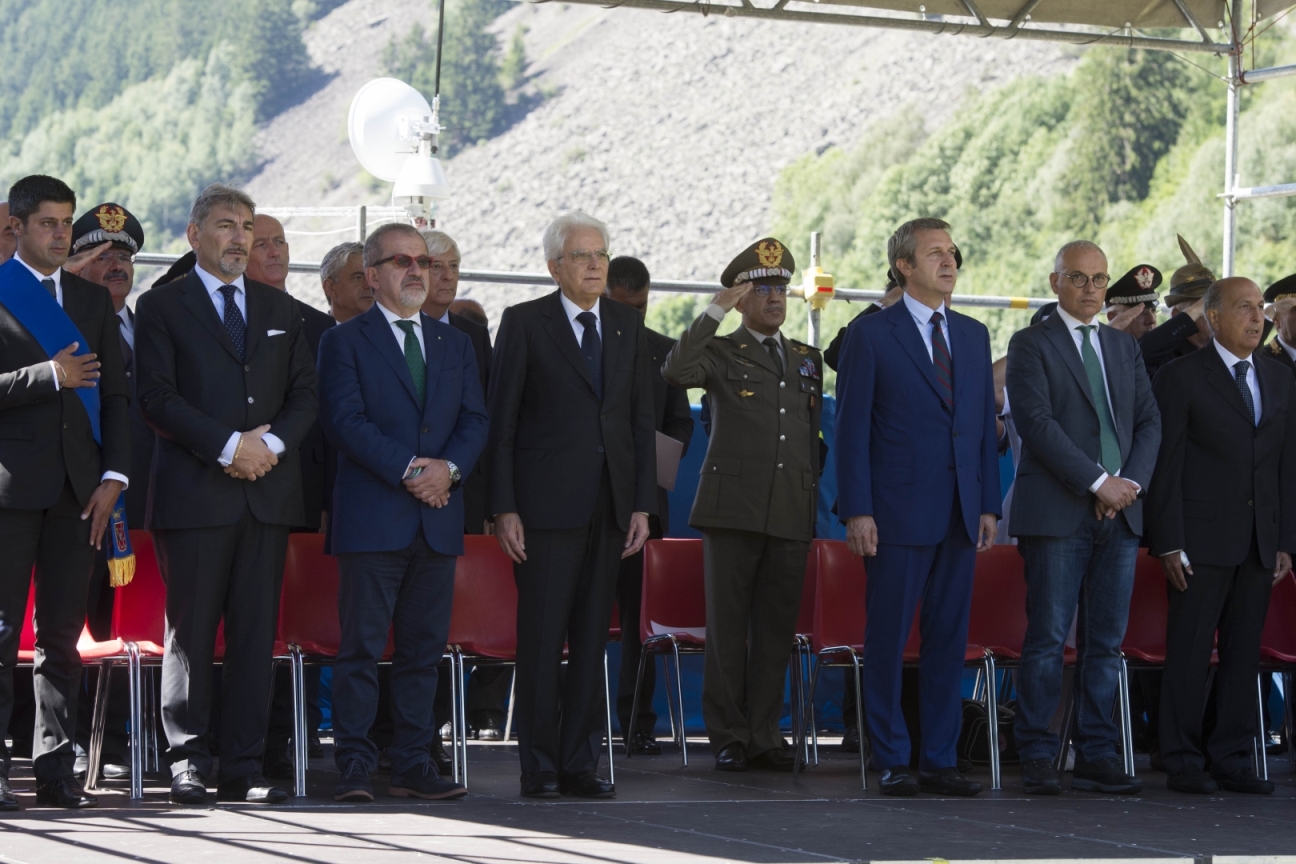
(232, 269)
(412, 297)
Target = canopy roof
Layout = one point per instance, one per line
(1098, 13)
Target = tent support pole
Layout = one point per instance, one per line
(1231, 144)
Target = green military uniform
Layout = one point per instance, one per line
(755, 505)
(1283, 289)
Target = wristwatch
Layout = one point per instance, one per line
(456, 476)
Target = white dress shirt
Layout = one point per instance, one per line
(213, 286)
(1253, 382)
(573, 310)
(922, 317)
(57, 276)
(127, 326)
(392, 318)
(445, 316)
(1077, 336)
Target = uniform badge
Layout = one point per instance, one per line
(745, 393)
(801, 349)
(743, 361)
(769, 254)
(111, 219)
(808, 369)
(1144, 277)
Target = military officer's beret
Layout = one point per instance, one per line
(107, 223)
(1284, 287)
(765, 260)
(1137, 286)
(1042, 313)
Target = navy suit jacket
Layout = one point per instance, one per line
(370, 413)
(902, 456)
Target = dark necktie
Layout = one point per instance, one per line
(942, 360)
(592, 348)
(49, 286)
(414, 360)
(771, 345)
(235, 326)
(1240, 373)
(1108, 443)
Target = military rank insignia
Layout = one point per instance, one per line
(808, 369)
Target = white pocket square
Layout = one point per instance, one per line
(275, 332)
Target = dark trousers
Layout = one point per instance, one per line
(232, 573)
(629, 601)
(99, 611)
(1092, 570)
(566, 589)
(409, 592)
(56, 542)
(899, 577)
(753, 598)
(1234, 601)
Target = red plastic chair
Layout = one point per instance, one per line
(672, 619)
(1278, 650)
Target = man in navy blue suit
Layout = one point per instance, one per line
(401, 400)
(918, 481)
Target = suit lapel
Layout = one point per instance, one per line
(1116, 384)
(749, 345)
(1064, 343)
(906, 332)
(434, 352)
(257, 315)
(560, 330)
(194, 296)
(379, 332)
(613, 339)
(963, 355)
(1267, 376)
(1221, 378)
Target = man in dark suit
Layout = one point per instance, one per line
(226, 382)
(573, 474)
(918, 481)
(402, 402)
(64, 460)
(1077, 516)
(1222, 518)
(628, 282)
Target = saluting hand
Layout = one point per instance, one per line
(78, 262)
(729, 297)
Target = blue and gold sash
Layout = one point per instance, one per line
(28, 301)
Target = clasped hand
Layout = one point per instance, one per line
(432, 485)
(1113, 495)
(253, 458)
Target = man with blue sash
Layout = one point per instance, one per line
(64, 458)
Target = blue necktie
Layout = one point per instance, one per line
(592, 348)
(235, 326)
(942, 360)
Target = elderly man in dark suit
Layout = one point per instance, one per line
(226, 382)
(64, 460)
(1089, 428)
(573, 481)
(1222, 518)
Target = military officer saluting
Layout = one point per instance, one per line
(755, 503)
(1282, 312)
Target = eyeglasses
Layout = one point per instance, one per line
(777, 288)
(1080, 280)
(580, 256)
(404, 261)
(119, 257)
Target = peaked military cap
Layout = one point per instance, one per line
(1137, 286)
(107, 223)
(765, 260)
(1283, 288)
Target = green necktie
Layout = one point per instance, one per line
(414, 360)
(1111, 460)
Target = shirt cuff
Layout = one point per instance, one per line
(272, 441)
(1098, 483)
(113, 475)
(1183, 556)
(715, 312)
(227, 455)
(405, 476)
(54, 368)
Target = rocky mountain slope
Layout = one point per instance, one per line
(671, 128)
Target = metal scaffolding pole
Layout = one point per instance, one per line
(812, 320)
(1231, 141)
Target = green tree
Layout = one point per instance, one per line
(513, 68)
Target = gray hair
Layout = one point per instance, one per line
(439, 243)
(1075, 246)
(337, 258)
(903, 244)
(555, 236)
(373, 247)
(1214, 299)
(219, 195)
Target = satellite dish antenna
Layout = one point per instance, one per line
(393, 133)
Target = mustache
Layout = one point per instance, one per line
(233, 250)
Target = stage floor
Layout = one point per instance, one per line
(664, 812)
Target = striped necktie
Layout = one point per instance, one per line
(942, 360)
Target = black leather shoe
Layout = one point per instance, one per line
(8, 800)
(948, 781)
(189, 788)
(440, 758)
(732, 757)
(489, 729)
(772, 760)
(645, 744)
(278, 764)
(1105, 775)
(64, 792)
(586, 784)
(114, 767)
(1039, 777)
(542, 785)
(252, 788)
(424, 782)
(354, 785)
(1192, 781)
(1243, 780)
(314, 749)
(898, 782)
(851, 740)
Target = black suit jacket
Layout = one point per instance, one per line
(671, 412)
(474, 485)
(551, 436)
(1275, 352)
(1167, 341)
(45, 432)
(196, 392)
(141, 436)
(1219, 478)
(316, 452)
(1054, 410)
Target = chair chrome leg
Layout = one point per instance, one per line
(1262, 737)
(813, 720)
(992, 713)
(508, 720)
(679, 701)
(607, 709)
(1126, 720)
(301, 746)
(461, 677)
(136, 733)
(1064, 738)
(670, 699)
(859, 718)
(98, 720)
(814, 686)
(1287, 718)
(628, 732)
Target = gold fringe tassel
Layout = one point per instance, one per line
(121, 571)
